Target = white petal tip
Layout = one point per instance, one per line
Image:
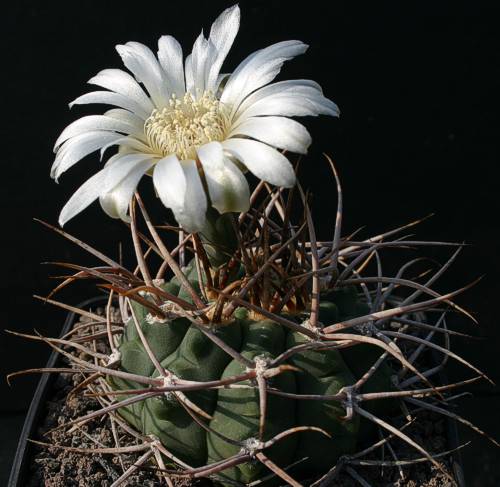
(54, 175)
(234, 10)
(122, 50)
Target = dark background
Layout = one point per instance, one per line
(417, 85)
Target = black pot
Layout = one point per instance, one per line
(452, 433)
(20, 465)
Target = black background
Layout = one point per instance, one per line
(417, 85)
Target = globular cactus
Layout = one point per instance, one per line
(270, 356)
(186, 352)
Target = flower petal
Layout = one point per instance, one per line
(290, 98)
(220, 83)
(78, 147)
(126, 116)
(170, 181)
(116, 202)
(93, 123)
(222, 35)
(179, 187)
(170, 57)
(130, 118)
(123, 83)
(280, 132)
(83, 197)
(202, 57)
(299, 86)
(141, 61)
(188, 70)
(227, 187)
(102, 182)
(265, 162)
(129, 144)
(110, 98)
(258, 69)
(193, 214)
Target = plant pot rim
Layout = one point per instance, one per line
(19, 472)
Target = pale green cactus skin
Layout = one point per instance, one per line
(186, 352)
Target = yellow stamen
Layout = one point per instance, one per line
(186, 124)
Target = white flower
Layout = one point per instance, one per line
(191, 127)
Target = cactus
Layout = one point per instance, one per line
(276, 359)
(187, 353)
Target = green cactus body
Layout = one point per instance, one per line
(185, 351)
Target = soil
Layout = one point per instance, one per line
(54, 467)
(430, 431)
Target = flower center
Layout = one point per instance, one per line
(185, 125)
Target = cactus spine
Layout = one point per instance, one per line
(276, 361)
